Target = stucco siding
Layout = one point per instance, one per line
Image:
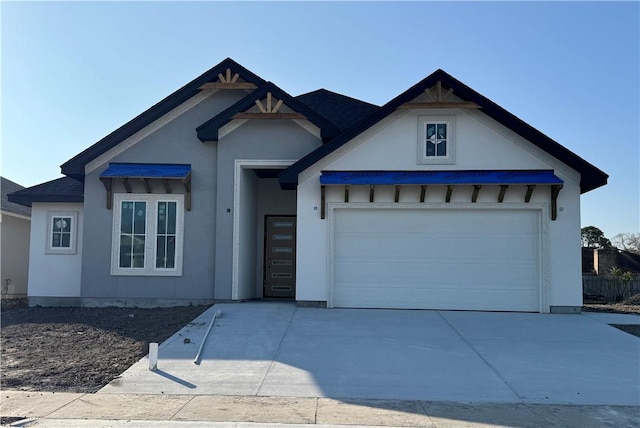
(175, 142)
(254, 140)
(53, 275)
(14, 266)
(480, 144)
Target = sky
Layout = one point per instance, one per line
(72, 72)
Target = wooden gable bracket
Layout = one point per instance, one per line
(372, 191)
(438, 100)
(397, 197)
(166, 184)
(127, 185)
(269, 110)
(108, 185)
(146, 184)
(323, 209)
(423, 192)
(476, 190)
(555, 190)
(346, 193)
(227, 81)
(503, 190)
(530, 189)
(449, 191)
(187, 191)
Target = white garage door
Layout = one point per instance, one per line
(472, 259)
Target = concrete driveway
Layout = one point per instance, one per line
(278, 349)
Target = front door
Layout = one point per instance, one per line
(280, 256)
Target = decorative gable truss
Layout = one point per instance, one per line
(266, 102)
(437, 99)
(229, 80)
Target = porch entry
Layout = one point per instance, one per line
(280, 256)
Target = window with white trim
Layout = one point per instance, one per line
(436, 143)
(61, 232)
(147, 234)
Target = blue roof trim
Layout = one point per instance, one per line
(75, 166)
(146, 170)
(495, 177)
(590, 176)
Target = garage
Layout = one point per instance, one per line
(436, 258)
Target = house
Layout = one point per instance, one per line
(231, 189)
(15, 226)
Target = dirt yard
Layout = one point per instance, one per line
(79, 349)
(83, 349)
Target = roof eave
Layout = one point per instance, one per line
(75, 166)
(208, 131)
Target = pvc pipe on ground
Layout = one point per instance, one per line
(153, 356)
(196, 360)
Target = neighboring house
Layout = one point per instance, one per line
(15, 225)
(231, 189)
(600, 261)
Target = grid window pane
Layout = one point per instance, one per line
(161, 252)
(442, 130)
(138, 251)
(162, 217)
(171, 217)
(125, 251)
(442, 148)
(140, 216)
(431, 130)
(431, 148)
(66, 240)
(171, 252)
(126, 217)
(55, 242)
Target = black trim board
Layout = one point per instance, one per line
(208, 131)
(591, 177)
(75, 166)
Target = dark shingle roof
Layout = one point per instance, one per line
(9, 186)
(339, 109)
(75, 166)
(590, 176)
(65, 189)
(208, 131)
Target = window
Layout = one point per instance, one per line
(61, 231)
(436, 140)
(147, 235)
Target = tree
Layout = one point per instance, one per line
(627, 241)
(592, 237)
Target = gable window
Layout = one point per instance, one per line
(147, 235)
(436, 140)
(61, 231)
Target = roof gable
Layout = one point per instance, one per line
(339, 109)
(591, 177)
(208, 131)
(63, 189)
(7, 187)
(219, 73)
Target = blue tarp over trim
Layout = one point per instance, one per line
(146, 170)
(440, 177)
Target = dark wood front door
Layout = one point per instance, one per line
(280, 256)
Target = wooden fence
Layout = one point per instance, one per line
(609, 289)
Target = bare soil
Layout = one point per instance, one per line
(83, 349)
(79, 349)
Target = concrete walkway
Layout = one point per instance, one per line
(277, 349)
(276, 365)
(99, 410)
